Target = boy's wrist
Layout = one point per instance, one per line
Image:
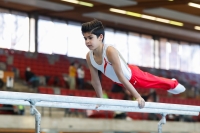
(138, 96)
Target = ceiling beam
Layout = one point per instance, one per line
(157, 3)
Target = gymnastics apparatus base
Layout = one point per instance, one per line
(58, 101)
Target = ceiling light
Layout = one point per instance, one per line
(176, 23)
(85, 4)
(133, 14)
(162, 20)
(79, 2)
(125, 12)
(117, 11)
(197, 27)
(194, 5)
(146, 16)
(71, 1)
(170, 0)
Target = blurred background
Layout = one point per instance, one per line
(42, 50)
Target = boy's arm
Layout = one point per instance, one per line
(113, 58)
(94, 78)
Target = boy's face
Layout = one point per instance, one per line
(91, 40)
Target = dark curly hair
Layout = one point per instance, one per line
(94, 27)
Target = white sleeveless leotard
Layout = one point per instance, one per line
(106, 67)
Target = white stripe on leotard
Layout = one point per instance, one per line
(106, 67)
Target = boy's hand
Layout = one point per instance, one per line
(141, 102)
(97, 106)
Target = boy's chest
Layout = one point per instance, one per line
(99, 61)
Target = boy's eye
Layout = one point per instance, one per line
(90, 38)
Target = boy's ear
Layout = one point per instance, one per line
(101, 37)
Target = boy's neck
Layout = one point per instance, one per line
(98, 51)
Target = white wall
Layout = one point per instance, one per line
(61, 124)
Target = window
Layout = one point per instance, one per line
(147, 51)
(195, 59)
(185, 57)
(14, 30)
(52, 36)
(76, 47)
(165, 49)
(174, 59)
(156, 53)
(109, 35)
(135, 56)
(121, 44)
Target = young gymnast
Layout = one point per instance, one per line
(109, 61)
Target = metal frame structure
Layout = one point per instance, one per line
(58, 101)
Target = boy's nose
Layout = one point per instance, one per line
(87, 41)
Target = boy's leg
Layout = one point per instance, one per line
(146, 80)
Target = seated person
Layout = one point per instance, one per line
(117, 88)
(31, 78)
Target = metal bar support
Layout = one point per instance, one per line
(37, 114)
(161, 122)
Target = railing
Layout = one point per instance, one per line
(45, 100)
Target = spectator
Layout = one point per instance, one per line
(66, 80)
(116, 88)
(81, 75)
(9, 83)
(56, 81)
(123, 115)
(15, 71)
(105, 95)
(191, 92)
(153, 94)
(1, 84)
(1, 79)
(42, 80)
(31, 78)
(3, 66)
(28, 74)
(21, 110)
(8, 109)
(145, 96)
(127, 95)
(72, 76)
(99, 74)
(152, 97)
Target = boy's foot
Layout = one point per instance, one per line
(178, 89)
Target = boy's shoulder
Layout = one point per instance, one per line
(109, 47)
(88, 55)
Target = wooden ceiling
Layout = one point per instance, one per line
(180, 9)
